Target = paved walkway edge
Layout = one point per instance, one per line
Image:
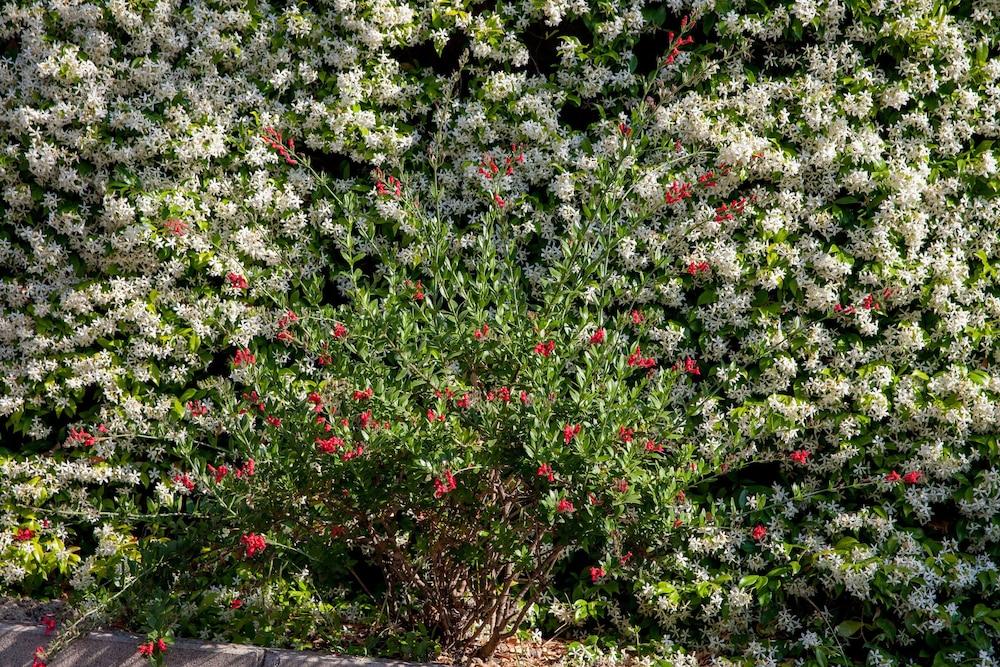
(118, 649)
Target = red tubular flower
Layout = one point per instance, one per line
(677, 192)
(273, 421)
(912, 477)
(175, 226)
(196, 408)
(244, 357)
(691, 366)
(893, 477)
(218, 473)
(799, 456)
(624, 130)
(23, 534)
(161, 645)
(625, 434)
(570, 431)
(498, 200)
(253, 544)
(441, 487)
(339, 331)
(329, 445)
(481, 332)
(626, 558)
(564, 506)
(596, 573)
(638, 317)
(758, 533)
(49, 623)
(653, 446)
(637, 360)
(545, 470)
(274, 140)
(597, 337)
(237, 281)
(81, 436)
(146, 649)
(236, 603)
(363, 395)
(707, 179)
(545, 349)
(185, 481)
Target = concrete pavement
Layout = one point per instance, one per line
(115, 649)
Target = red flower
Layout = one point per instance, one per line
(236, 603)
(637, 360)
(482, 332)
(696, 268)
(565, 506)
(23, 534)
(545, 470)
(499, 200)
(196, 408)
(246, 470)
(799, 456)
(626, 558)
(893, 477)
(330, 445)
(237, 281)
(625, 434)
(49, 623)
(443, 487)
(175, 226)
(597, 337)
(219, 473)
(273, 421)
(912, 477)
(418, 293)
(273, 139)
(463, 402)
(161, 645)
(677, 192)
(691, 366)
(146, 649)
(596, 573)
(707, 179)
(244, 357)
(363, 395)
(625, 130)
(339, 331)
(81, 436)
(653, 446)
(253, 544)
(622, 486)
(569, 431)
(434, 416)
(185, 481)
(758, 533)
(545, 349)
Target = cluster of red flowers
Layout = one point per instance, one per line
(502, 394)
(675, 45)
(545, 470)
(236, 281)
(185, 481)
(758, 533)
(597, 337)
(81, 436)
(38, 657)
(196, 408)
(329, 445)
(570, 431)
(339, 331)
(433, 415)
(689, 366)
(390, 186)
(624, 130)
(636, 360)
(285, 321)
(545, 349)
(625, 434)
(799, 456)
(725, 211)
(49, 623)
(911, 478)
(363, 395)
(444, 486)
(418, 291)
(677, 192)
(564, 506)
(489, 168)
(175, 226)
(481, 332)
(653, 446)
(637, 317)
(23, 534)
(149, 649)
(696, 268)
(244, 357)
(596, 574)
(273, 139)
(253, 544)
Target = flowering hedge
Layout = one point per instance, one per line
(669, 322)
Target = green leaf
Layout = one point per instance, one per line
(849, 628)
